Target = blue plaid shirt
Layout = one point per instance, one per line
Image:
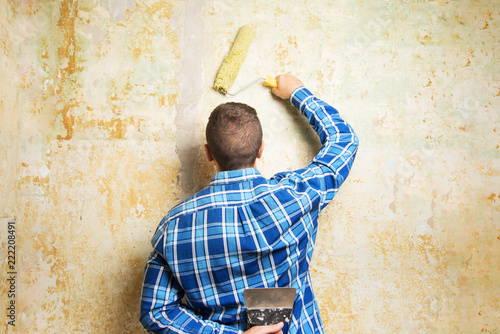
(246, 231)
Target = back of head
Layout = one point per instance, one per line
(234, 135)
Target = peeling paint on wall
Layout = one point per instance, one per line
(102, 117)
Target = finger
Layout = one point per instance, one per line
(277, 328)
(278, 78)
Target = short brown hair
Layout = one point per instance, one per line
(234, 135)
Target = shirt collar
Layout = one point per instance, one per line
(234, 176)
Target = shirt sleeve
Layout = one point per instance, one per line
(331, 166)
(161, 308)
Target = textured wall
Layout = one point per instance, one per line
(102, 111)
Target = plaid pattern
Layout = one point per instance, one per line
(245, 231)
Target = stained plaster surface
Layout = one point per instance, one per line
(102, 114)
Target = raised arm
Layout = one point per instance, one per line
(330, 167)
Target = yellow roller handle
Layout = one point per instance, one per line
(271, 82)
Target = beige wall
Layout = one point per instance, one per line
(102, 111)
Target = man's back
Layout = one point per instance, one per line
(241, 232)
(245, 231)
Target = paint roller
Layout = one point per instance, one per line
(232, 63)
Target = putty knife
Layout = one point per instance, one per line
(269, 306)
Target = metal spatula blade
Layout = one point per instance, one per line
(269, 306)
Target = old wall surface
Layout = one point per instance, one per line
(102, 112)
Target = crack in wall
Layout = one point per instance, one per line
(187, 110)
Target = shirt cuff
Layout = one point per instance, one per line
(299, 95)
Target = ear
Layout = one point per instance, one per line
(261, 150)
(209, 155)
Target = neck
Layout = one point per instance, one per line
(228, 170)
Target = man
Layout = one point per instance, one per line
(245, 231)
